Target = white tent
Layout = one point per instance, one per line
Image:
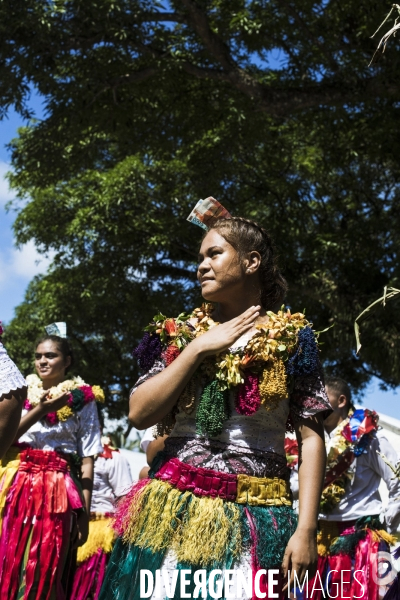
(136, 460)
(391, 427)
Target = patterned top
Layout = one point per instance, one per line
(10, 377)
(252, 444)
(80, 433)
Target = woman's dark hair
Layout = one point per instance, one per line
(62, 346)
(246, 236)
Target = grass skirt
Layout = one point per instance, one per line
(203, 532)
(92, 558)
(38, 507)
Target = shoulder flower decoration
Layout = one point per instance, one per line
(261, 373)
(162, 336)
(80, 394)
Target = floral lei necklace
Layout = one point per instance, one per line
(350, 440)
(261, 372)
(80, 394)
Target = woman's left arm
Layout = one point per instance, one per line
(88, 444)
(301, 552)
(82, 526)
(87, 470)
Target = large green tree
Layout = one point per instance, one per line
(268, 105)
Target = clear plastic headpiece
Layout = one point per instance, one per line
(59, 329)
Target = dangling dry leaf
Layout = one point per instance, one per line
(388, 294)
(392, 32)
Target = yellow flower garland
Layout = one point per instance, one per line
(274, 340)
(273, 386)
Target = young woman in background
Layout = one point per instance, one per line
(46, 479)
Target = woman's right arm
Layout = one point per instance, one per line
(155, 398)
(39, 411)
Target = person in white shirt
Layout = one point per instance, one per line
(353, 524)
(369, 467)
(112, 479)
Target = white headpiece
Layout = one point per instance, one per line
(59, 329)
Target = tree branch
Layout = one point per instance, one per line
(160, 16)
(216, 47)
(373, 373)
(301, 23)
(273, 100)
(242, 80)
(204, 73)
(278, 103)
(134, 77)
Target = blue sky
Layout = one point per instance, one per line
(18, 266)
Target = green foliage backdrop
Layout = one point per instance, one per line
(267, 105)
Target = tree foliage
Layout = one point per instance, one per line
(267, 105)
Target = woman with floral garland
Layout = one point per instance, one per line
(44, 505)
(223, 382)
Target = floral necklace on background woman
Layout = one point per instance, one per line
(80, 394)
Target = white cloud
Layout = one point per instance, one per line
(27, 261)
(5, 193)
(17, 265)
(17, 268)
(23, 263)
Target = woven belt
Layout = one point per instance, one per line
(243, 489)
(263, 491)
(33, 461)
(202, 482)
(97, 516)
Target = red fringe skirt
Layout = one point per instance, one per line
(36, 527)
